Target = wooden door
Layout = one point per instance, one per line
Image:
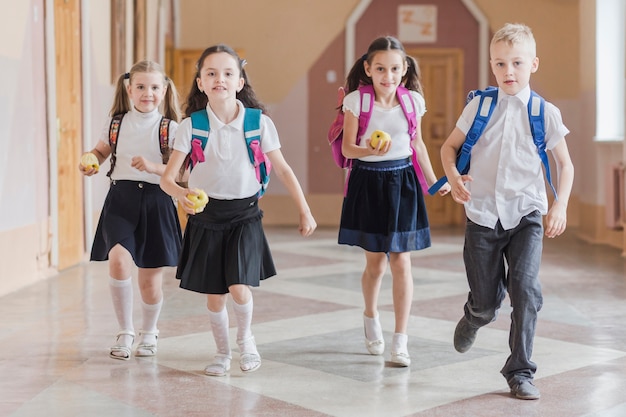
(442, 79)
(69, 120)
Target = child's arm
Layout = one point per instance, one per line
(556, 220)
(288, 178)
(424, 160)
(169, 185)
(102, 152)
(349, 148)
(449, 150)
(142, 164)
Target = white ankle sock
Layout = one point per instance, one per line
(219, 327)
(373, 330)
(399, 343)
(151, 314)
(243, 313)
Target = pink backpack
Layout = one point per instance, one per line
(335, 132)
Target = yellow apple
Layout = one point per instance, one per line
(89, 161)
(199, 200)
(378, 136)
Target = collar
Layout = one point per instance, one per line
(217, 124)
(142, 115)
(523, 96)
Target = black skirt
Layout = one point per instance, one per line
(384, 209)
(143, 219)
(225, 245)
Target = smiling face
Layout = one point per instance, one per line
(220, 77)
(512, 64)
(386, 71)
(146, 90)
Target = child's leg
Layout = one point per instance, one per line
(121, 288)
(523, 256)
(150, 286)
(400, 264)
(250, 360)
(218, 316)
(483, 254)
(376, 264)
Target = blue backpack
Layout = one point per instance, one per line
(252, 131)
(488, 98)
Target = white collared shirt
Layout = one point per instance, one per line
(508, 178)
(138, 136)
(226, 172)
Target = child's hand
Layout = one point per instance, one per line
(142, 164)
(459, 193)
(445, 189)
(87, 171)
(556, 220)
(307, 224)
(381, 148)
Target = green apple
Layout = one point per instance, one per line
(378, 136)
(199, 199)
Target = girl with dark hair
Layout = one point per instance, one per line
(384, 211)
(224, 248)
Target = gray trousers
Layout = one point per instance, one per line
(499, 261)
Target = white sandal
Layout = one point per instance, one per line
(220, 365)
(119, 351)
(249, 358)
(147, 349)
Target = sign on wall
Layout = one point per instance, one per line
(417, 23)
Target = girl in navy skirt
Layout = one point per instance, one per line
(383, 210)
(224, 247)
(139, 223)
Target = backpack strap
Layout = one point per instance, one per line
(536, 105)
(252, 132)
(367, 107)
(164, 138)
(199, 137)
(487, 103)
(408, 107)
(114, 130)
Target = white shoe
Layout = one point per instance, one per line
(220, 365)
(249, 359)
(400, 359)
(374, 347)
(147, 349)
(121, 351)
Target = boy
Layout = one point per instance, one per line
(504, 195)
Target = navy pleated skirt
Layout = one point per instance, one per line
(384, 209)
(225, 245)
(143, 219)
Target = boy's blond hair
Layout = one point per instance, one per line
(516, 34)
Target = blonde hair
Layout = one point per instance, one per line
(516, 34)
(121, 101)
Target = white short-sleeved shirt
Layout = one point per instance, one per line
(508, 178)
(393, 121)
(138, 136)
(226, 173)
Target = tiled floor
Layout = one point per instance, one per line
(54, 339)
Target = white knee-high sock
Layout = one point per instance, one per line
(243, 312)
(219, 327)
(151, 314)
(122, 297)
